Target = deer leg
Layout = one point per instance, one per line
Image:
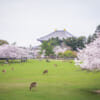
(30, 88)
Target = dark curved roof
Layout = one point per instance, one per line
(61, 34)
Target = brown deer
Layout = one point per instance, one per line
(2, 64)
(70, 61)
(33, 84)
(3, 70)
(45, 71)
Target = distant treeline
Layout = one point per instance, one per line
(73, 42)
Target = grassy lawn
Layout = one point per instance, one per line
(64, 82)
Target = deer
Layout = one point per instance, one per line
(33, 84)
(3, 70)
(45, 71)
(2, 64)
(70, 61)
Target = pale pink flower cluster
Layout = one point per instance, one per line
(11, 51)
(89, 57)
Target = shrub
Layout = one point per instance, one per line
(60, 54)
(70, 53)
(67, 53)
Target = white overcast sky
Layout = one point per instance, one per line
(23, 21)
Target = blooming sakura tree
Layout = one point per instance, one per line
(11, 51)
(89, 57)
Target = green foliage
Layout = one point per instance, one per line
(47, 47)
(54, 41)
(3, 42)
(94, 36)
(60, 55)
(72, 42)
(75, 43)
(81, 41)
(69, 53)
(91, 38)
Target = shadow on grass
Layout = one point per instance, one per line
(90, 91)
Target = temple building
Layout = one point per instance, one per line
(61, 34)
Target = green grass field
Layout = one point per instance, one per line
(64, 82)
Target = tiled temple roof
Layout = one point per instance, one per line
(61, 34)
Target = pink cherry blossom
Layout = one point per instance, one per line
(11, 51)
(89, 57)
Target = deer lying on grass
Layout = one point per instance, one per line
(33, 84)
(45, 71)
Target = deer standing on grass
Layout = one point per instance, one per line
(33, 84)
(70, 61)
(2, 64)
(45, 71)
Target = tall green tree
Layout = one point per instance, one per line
(91, 38)
(72, 42)
(75, 43)
(81, 41)
(47, 47)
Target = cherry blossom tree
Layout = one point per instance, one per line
(89, 57)
(11, 51)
